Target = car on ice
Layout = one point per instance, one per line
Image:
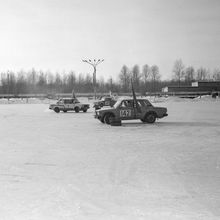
(104, 101)
(69, 104)
(129, 109)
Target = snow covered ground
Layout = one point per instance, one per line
(70, 166)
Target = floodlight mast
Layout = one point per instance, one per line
(94, 63)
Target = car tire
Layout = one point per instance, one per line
(64, 111)
(150, 118)
(102, 120)
(56, 109)
(76, 109)
(108, 118)
(85, 110)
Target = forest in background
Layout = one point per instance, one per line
(145, 79)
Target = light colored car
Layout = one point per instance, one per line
(69, 104)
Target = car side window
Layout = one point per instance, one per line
(130, 103)
(68, 101)
(60, 101)
(123, 104)
(141, 103)
(147, 103)
(126, 104)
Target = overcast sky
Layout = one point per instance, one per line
(57, 34)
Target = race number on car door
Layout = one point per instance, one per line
(125, 113)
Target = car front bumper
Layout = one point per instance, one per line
(97, 116)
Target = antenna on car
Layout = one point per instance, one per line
(136, 105)
(73, 94)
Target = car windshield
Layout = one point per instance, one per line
(60, 101)
(117, 104)
(146, 102)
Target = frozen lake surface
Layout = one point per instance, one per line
(70, 166)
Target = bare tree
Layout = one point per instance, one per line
(216, 74)
(21, 82)
(146, 72)
(58, 82)
(202, 74)
(101, 84)
(80, 82)
(50, 82)
(136, 76)
(124, 77)
(32, 78)
(155, 75)
(5, 84)
(178, 70)
(71, 81)
(189, 74)
(11, 82)
(88, 82)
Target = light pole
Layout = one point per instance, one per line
(94, 63)
(8, 79)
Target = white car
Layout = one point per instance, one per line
(69, 104)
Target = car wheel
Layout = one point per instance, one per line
(56, 109)
(76, 109)
(150, 118)
(102, 120)
(108, 118)
(85, 110)
(64, 111)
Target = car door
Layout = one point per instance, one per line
(69, 104)
(107, 101)
(138, 109)
(73, 104)
(126, 110)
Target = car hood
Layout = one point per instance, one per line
(161, 109)
(98, 102)
(105, 110)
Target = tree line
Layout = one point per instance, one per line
(187, 74)
(145, 79)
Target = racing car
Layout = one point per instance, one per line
(69, 104)
(104, 101)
